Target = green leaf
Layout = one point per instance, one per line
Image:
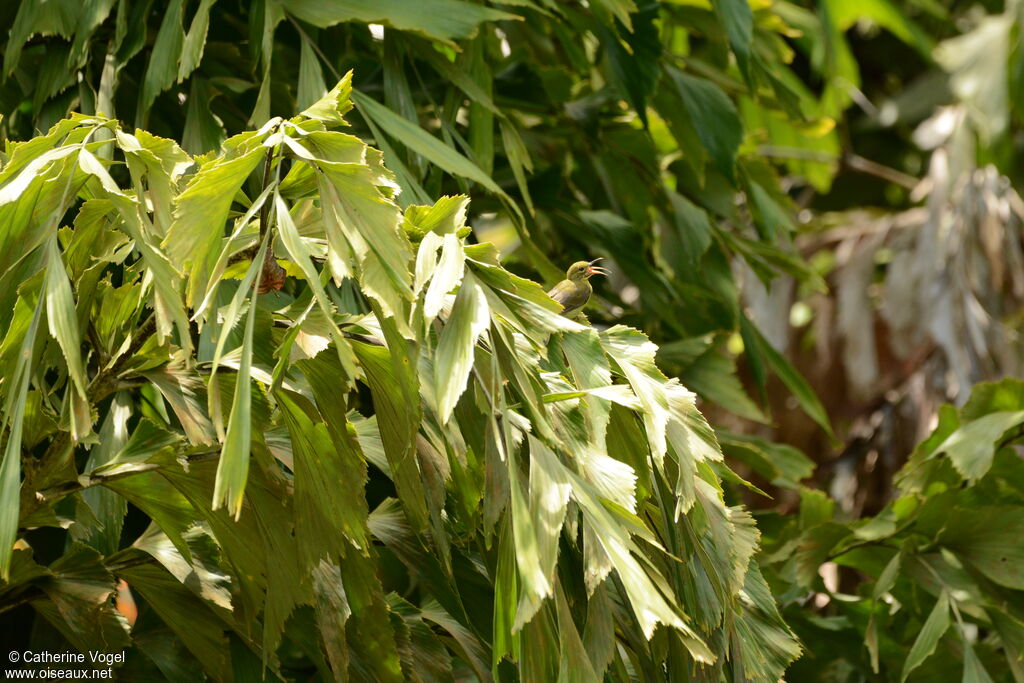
(651, 603)
(780, 464)
(633, 58)
(62, 319)
(972, 447)
(714, 116)
(108, 506)
(738, 20)
(464, 81)
(989, 397)
(163, 60)
(199, 572)
(332, 107)
(713, 376)
(58, 18)
(815, 508)
(887, 579)
(332, 612)
(371, 637)
(634, 353)
(988, 538)
(928, 638)
(443, 20)
(453, 361)
(200, 214)
(765, 644)
(186, 615)
(393, 387)
(573, 656)
(330, 509)
(691, 236)
(233, 466)
(203, 131)
(161, 163)
(195, 40)
(793, 380)
(14, 414)
(92, 14)
(80, 588)
(599, 633)
(974, 670)
(422, 142)
(362, 222)
(310, 88)
(548, 500)
(470, 648)
(298, 251)
(885, 14)
(518, 159)
(186, 395)
(620, 9)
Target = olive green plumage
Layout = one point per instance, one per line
(574, 291)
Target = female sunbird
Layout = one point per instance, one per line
(574, 291)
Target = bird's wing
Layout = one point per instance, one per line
(568, 294)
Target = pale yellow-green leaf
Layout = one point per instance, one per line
(61, 318)
(446, 276)
(454, 358)
(548, 500)
(200, 214)
(331, 108)
(634, 353)
(299, 253)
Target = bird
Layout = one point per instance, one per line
(574, 291)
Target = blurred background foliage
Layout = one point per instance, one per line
(809, 206)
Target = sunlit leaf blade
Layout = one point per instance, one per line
(233, 466)
(469, 319)
(444, 276)
(331, 107)
(14, 412)
(634, 353)
(200, 214)
(108, 506)
(199, 571)
(61, 317)
(972, 447)
(299, 254)
(549, 491)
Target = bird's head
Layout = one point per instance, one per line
(582, 270)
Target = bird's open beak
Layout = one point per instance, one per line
(598, 269)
